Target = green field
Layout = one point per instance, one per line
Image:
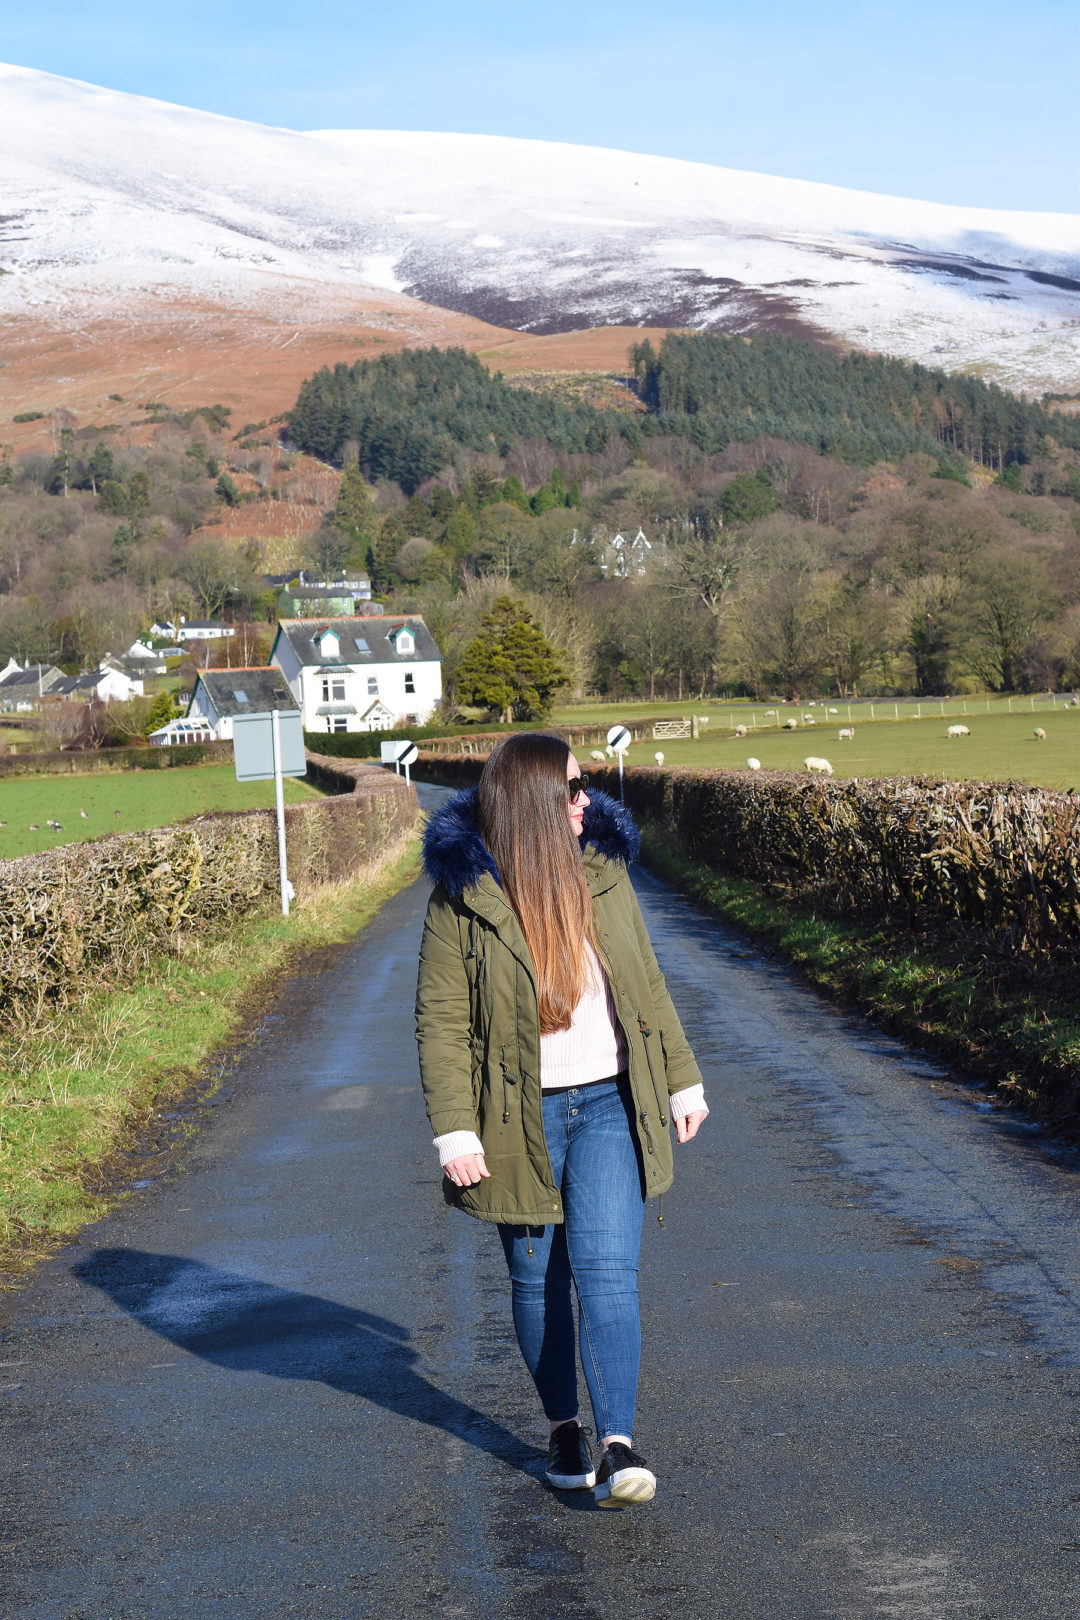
(124, 803)
(1001, 747)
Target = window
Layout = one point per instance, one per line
(240, 695)
(339, 723)
(373, 686)
(410, 681)
(333, 689)
(361, 644)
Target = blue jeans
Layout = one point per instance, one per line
(594, 1156)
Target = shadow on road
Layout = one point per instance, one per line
(244, 1325)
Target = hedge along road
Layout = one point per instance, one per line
(281, 1381)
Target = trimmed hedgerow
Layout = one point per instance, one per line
(89, 913)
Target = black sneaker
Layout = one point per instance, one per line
(622, 1480)
(569, 1464)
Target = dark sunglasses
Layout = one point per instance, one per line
(576, 786)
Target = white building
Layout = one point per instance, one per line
(204, 630)
(221, 694)
(360, 673)
(109, 684)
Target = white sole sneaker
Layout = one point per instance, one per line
(627, 1487)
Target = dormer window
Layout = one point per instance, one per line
(328, 644)
(404, 641)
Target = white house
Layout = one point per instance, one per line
(221, 694)
(361, 673)
(204, 630)
(109, 684)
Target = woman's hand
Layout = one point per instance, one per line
(687, 1127)
(467, 1171)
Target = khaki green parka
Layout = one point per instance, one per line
(477, 1020)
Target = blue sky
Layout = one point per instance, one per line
(956, 101)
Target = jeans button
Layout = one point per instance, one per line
(573, 1110)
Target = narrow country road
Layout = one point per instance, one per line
(281, 1382)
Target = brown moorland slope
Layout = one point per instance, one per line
(250, 351)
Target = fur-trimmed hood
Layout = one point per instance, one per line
(455, 855)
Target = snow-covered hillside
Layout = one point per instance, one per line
(105, 195)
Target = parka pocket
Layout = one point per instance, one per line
(661, 1097)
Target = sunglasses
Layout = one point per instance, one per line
(576, 786)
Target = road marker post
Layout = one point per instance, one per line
(619, 739)
(400, 755)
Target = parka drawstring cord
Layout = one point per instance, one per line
(528, 1239)
(660, 1212)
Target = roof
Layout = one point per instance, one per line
(29, 676)
(363, 639)
(205, 624)
(262, 689)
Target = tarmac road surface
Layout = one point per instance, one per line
(281, 1381)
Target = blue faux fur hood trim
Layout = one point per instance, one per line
(455, 855)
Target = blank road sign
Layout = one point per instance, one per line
(253, 745)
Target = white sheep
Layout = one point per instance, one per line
(832, 711)
(847, 733)
(659, 758)
(597, 754)
(808, 720)
(740, 731)
(958, 731)
(753, 764)
(791, 725)
(609, 751)
(1040, 734)
(813, 762)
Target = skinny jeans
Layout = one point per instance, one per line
(594, 1157)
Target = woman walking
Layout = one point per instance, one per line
(552, 1060)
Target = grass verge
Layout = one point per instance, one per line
(76, 1091)
(1013, 1027)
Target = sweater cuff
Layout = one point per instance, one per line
(457, 1145)
(691, 1100)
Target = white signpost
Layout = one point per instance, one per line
(620, 739)
(400, 755)
(271, 745)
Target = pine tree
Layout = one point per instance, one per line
(510, 667)
(354, 512)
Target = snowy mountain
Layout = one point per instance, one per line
(107, 198)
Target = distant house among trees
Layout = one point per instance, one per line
(204, 630)
(360, 673)
(109, 684)
(21, 688)
(326, 598)
(222, 694)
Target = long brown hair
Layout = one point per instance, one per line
(522, 815)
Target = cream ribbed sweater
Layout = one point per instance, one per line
(593, 1048)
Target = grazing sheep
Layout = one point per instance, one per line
(813, 762)
(598, 755)
(659, 758)
(34, 827)
(791, 725)
(609, 751)
(740, 731)
(832, 711)
(847, 733)
(84, 815)
(808, 719)
(1040, 734)
(958, 731)
(753, 764)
